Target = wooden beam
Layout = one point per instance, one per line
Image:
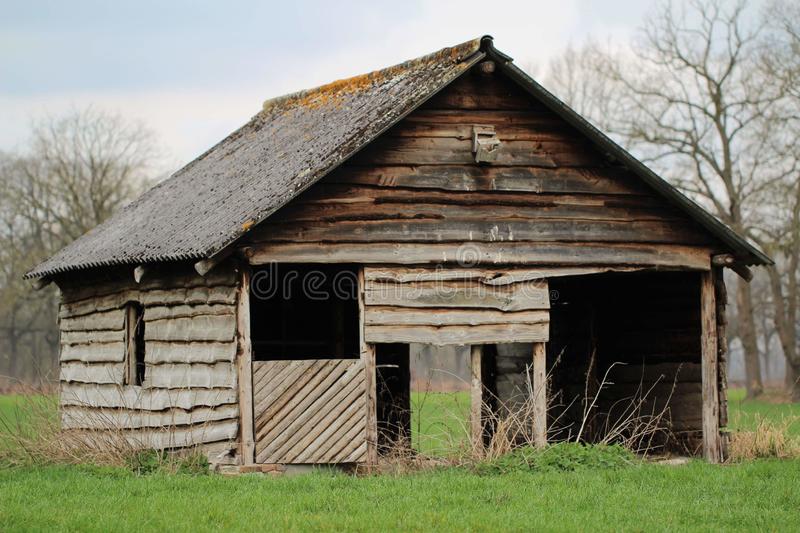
(368, 357)
(743, 272)
(476, 397)
(245, 371)
(722, 260)
(38, 284)
(539, 394)
(709, 369)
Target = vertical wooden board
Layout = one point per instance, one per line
(368, 358)
(539, 394)
(245, 371)
(476, 397)
(709, 362)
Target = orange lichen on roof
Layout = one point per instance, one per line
(334, 92)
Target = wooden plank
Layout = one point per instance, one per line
(367, 355)
(493, 178)
(181, 437)
(94, 418)
(92, 337)
(440, 227)
(476, 397)
(711, 436)
(454, 209)
(449, 151)
(199, 328)
(93, 395)
(188, 311)
(539, 394)
(93, 353)
(182, 296)
(244, 371)
(109, 320)
(394, 316)
(484, 334)
(102, 373)
(191, 352)
(484, 254)
(178, 375)
(523, 296)
(497, 276)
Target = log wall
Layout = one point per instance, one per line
(452, 306)
(416, 196)
(189, 395)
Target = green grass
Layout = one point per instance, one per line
(439, 421)
(754, 496)
(745, 414)
(758, 495)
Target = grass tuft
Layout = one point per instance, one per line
(560, 457)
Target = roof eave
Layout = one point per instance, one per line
(745, 251)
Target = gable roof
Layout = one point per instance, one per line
(293, 142)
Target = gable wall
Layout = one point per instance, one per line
(415, 195)
(190, 347)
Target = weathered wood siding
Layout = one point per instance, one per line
(416, 196)
(189, 395)
(310, 411)
(452, 306)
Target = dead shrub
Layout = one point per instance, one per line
(769, 439)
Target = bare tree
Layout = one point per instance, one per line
(780, 232)
(689, 99)
(78, 170)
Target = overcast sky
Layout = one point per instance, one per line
(195, 70)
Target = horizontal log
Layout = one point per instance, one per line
(143, 398)
(73, 417)
(86, 337)
(442, 228)
(483, 255)
(493, 277)
(517, 297)
(460, 335)
(375, 315)
(536, 129)
(187, 311)
(109, 320)
(75, 291)
(198, 328)
(529, 118)
(450, 151)
(94, 353)
(170, 438)
(102, 373)
(176, 375)
(492, 178)
(185, 296)
(192, 352)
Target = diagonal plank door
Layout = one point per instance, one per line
(311, 411)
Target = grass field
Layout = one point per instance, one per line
(757, 495)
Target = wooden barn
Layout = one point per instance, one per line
(260, 302)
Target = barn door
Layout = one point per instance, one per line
(310, 411)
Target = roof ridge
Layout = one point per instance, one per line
(343, 86)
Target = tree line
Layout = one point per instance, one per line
(707, 95)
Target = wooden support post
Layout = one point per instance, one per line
(710, 372)
(368, 358)
(244, 369)
(476, 396)
(539, 394)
